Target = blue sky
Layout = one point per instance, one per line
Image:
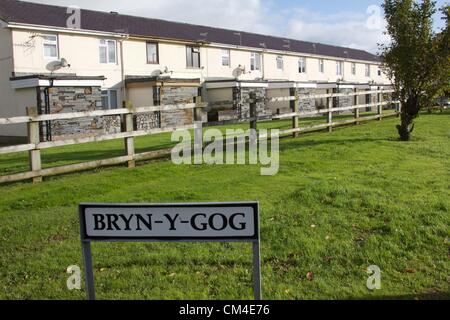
(346, 23)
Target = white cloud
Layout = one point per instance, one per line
(260, 16)
(348, 29)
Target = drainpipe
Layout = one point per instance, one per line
(122, 72)
(263, 65)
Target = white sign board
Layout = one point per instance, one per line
(200, 222)
(170, 222)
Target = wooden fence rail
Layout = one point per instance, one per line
(34, 145)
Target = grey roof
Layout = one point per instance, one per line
(56, 16)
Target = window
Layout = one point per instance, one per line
(226, 58)
(50, 43)
(255, 61)
(280, 63)
(109, 99)
(339, 68)
(193, 57)
(152, 53)
(354, 69)
(321, 66)
(379, 72)
(302, 65)
(107, 51)
(367, 70)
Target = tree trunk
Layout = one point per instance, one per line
(404, 127)
(410, 111)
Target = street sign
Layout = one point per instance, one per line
(191, 222)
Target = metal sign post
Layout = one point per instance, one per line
(191, 222)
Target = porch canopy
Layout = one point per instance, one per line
(38, 80)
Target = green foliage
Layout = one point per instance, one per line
(417, 59)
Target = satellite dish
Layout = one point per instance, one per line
(239, 71)
(58, 64)
(64, 63)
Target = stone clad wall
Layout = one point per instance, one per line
(345, 101)
(240, 111)
(78, 99)
(170, 95)
(147, 121)
(177, 95)
(307, 105)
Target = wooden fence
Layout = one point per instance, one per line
(34, 145)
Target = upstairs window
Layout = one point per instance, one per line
(339, 68)
(255, 61)
(193, 57)
(152, 53)
(354, 69)
(302, 65)
(280, 63)
(50, 44)
(108, 51)
(321, 66)
(225, 58)
(367, 70)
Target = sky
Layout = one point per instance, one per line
(356, 24)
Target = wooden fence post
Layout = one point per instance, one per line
(355, 103)
(198, 131)
(129, 142)
(253, 112)
(380, 106)
(294, 108)
(198, 109)
(330, 113)
(34, 138)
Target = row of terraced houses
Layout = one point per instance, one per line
(111, 59)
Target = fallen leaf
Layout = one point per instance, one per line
(313, 226)
(310, 276)
(172, 275)
(410, 270)
(327, 238)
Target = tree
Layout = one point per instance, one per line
(417, 59)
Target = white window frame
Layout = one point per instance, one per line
(302, 65)
(340, 68)
(280, 63)
(156, 44)
(321, 65)
(225, 56)
(107, 93)
(367, 70)
(354, 68)
(50, 43)
(106, 46)
(255, 61)
(193, 50)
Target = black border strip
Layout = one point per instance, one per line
(86, 238)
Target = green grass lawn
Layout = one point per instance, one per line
(371, 199)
